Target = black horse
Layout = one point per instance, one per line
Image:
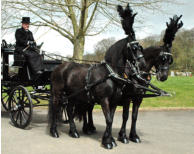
(103, 82)
(159, 57)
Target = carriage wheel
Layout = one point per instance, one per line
(5, 91)
(20, 105)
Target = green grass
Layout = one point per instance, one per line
(181, 88)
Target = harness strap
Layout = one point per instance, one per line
(88, 78)
(115, 75)
(112, 75)
(165, 53)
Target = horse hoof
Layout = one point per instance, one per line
(114, 144)
(135, 139)
(108, 146)
(54, 133)
(74, 134)
(123, 139)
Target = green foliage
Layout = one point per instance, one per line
(183, 51)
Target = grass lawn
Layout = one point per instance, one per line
(181, 88)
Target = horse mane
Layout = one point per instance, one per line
(151, 52)
(114, 55)
(172, 29)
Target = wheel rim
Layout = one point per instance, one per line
(4, 97)
(20, 107)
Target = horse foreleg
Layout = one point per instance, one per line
(113, 108)
(54, 110)
(107, 137)
(72, 132)
(133, 135)
(91, 127)
(122, 134)
(85, 124)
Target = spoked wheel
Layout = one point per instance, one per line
(5, 91)
(20, 105)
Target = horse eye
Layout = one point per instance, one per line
(163, 58)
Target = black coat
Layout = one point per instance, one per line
(22, 37)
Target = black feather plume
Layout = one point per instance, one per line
(171, 29)
(127, 19)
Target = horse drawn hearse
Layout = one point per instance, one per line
(15, 97)
(74, 88)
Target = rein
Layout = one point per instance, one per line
(82, 60)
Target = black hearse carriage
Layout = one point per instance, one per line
(19, 88)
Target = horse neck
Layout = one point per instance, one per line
(151, 55)
(115, 56)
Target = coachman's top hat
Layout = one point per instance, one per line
(25, 20)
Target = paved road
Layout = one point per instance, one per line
(161, 132)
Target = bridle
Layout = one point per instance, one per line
(134, 46)
(164, 58)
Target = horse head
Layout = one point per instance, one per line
(165, 59)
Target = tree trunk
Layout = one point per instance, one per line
(79, 47)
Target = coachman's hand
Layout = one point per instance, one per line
(31, 44)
